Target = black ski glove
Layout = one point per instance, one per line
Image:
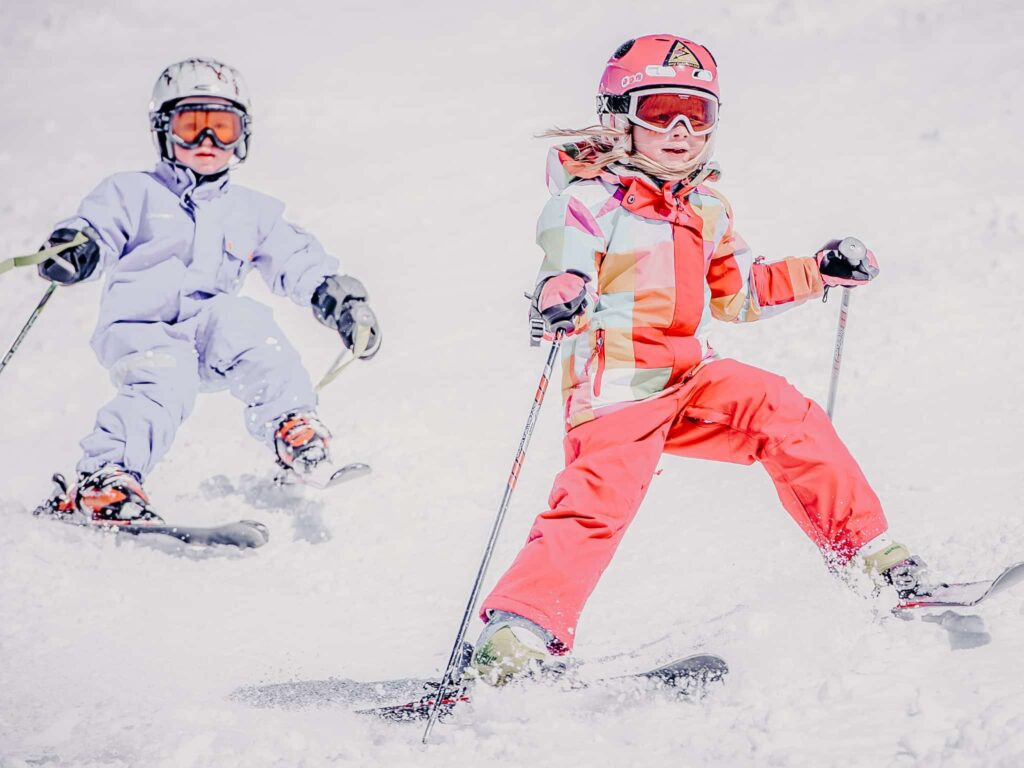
(75, 264)
(340, 303)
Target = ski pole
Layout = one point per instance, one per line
(31, 260)
(31, 321)
(837, 357)
(517, 466)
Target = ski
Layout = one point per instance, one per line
(324, 476)
(688, 677)
(336, 691)
(422, 707)
(964, 594)
(243, 534)
(330, 692)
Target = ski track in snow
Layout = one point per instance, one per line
(401, 135)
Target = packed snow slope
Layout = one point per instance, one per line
(402, 134)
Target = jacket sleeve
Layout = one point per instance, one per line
(107, 211)
(571, 239)
(292, 261)
(744, 289)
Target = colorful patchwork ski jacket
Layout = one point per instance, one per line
(662, 261)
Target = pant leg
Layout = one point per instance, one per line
(241, 347)
(738, 413)
(157, 376)
(609, 465)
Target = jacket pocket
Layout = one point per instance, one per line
(698, 415)
(236, 261)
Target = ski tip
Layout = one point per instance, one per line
(319, 478)
(690, 676)
(251, 534)
(350, 472)
(697, 661)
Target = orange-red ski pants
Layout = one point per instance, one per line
(727, 411)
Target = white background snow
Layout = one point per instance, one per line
(401, 133)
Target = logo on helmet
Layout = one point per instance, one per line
(679, 55)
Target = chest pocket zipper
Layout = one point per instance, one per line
(599, 341)
(236, 261)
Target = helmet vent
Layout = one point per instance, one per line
(623, 49)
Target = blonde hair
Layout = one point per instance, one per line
(603, 146)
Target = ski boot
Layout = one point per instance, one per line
(894, 566)
(513, 647)
(109, 496)
(302, 443)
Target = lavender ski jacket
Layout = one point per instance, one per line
(169, 244)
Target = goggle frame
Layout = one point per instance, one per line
(163, 120)
(627, 104)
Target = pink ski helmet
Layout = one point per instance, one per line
(654, 61)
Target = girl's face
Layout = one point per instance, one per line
(673, 149)
(206, 159)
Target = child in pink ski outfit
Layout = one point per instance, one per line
(640, 255)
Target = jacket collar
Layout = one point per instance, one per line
(639, 192)
(654, 199)
(184, 183)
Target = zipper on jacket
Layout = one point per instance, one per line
(599, 341)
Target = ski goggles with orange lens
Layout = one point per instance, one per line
(661, 109)
(190, 124)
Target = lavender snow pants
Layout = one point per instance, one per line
(159, 368)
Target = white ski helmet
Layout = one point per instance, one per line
(198, 77)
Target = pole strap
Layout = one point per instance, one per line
(32, 259)
(343, 360)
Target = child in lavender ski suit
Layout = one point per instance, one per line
(175, 244)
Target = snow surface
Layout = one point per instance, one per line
(402, 134)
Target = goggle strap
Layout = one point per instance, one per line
(613, 104)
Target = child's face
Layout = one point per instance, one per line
(207, 158)
(673, 149)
